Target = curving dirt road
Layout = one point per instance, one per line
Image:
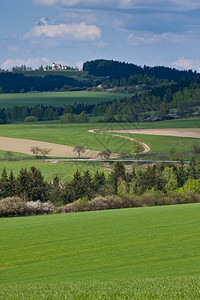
(145, 146)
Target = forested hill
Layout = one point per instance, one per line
(13, 82)
(118, 70)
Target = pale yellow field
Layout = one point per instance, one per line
(181, 132)
(57, 150)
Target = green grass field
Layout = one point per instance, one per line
(68, 73)
(77, 134)
(57, 98)
(140, 253)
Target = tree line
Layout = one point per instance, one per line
(16, 83)
(165, 178)
(40, 112)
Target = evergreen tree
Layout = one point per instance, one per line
(55, 193)
(22, 183)
(181, 174)
(75, 189)
(117, 172)
(192, 174)
(98, 181)
(12, 184)
(36, 187)
(87, 184)
(4, 184)
(149, 178)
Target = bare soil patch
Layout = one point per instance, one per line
(180, 132)
(57, 150)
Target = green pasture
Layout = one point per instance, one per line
(139, 253)
(77, 134)
(164, 144)
(57, 98)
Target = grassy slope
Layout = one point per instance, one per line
(57, 98)
(128, 244)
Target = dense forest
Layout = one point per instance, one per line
(118, 70)
(14, 83)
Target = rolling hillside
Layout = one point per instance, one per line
(141, 247)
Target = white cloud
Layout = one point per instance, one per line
(187, 64)
(179, 5)
(146, 38)
(70, 32)
(30, 62)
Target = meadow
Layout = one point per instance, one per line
(57, 98)
(139, 253)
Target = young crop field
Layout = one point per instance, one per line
(57, 98)
(139, 253)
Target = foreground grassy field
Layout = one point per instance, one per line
(173, 288)
(140, 253)
(57, 98)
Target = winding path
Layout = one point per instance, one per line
(145, 146)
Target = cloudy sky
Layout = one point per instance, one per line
(144, 32)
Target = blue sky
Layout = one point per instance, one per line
(144, 32)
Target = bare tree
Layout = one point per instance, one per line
(45, 151)
(196, 147)
(35, 150)
(79, 149)
(105, 154)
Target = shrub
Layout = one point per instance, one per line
(12, 206)
(150, 198)
(107, 202)
(38, 207)
(15, 206)
(31, 119)
(99, 203)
